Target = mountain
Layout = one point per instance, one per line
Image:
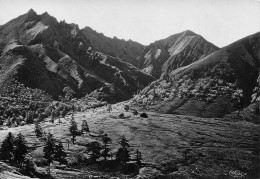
(162, 57)
(126, 50)
(213, 86)
(60, 59)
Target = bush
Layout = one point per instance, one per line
(121, 116)
(81, 158)
(28, 167)
(143, 115)
(135, 113)
(126, 108)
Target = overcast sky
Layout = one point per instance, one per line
(219, 21)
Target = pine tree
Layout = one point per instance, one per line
(38, 130)
(52, 117)
(60, 154)
(138, 157)
(49, 149)
(105, 152)
(73, 129)
(122, 155)
(20, 149)
(94, 148)
(7, 148)
(29, 117)
(124, 142)
(84, 126)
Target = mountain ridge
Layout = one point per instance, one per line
(165, 55)
(213, 86)
(64, 60)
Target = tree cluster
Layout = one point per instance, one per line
(98, 151)
(54, 151)
(14, 149)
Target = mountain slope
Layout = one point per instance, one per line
(213, 86)
(42, 53)
(126, 50)
(164, 56)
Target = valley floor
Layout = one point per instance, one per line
(189, 146)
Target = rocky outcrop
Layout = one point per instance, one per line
(164, 56)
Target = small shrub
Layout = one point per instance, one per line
(81, 158)
(143, 115)
(121, 116)
(135, 113)
(126, 108)
(109, 108)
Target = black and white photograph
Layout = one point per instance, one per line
(129, 89)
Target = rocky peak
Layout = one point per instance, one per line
(164, 56)
(46, 17)
(31, 15)
(31, 11)
(188, 32)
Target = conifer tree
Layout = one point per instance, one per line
(122, 155)
(20, 149)
(84, 126)
(52, 117)
(60, 155)
(94, 148)
(7, 148)
(138, 157)
(73, 129)
(49, 149)
(38, 130)
(105, 152)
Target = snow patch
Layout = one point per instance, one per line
(148, 55)
(37, 29)
(177, 48)
(157, 53)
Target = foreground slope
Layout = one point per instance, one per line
(57, 57)
(213, 86)
(177, 145)
(164, 56)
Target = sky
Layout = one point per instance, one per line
(145, 21)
